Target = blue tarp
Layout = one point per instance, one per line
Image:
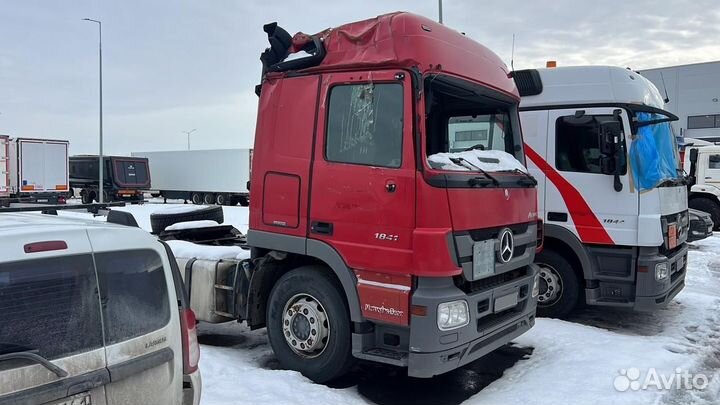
(652, 155)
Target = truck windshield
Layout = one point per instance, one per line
(653, 153)
(471, 124)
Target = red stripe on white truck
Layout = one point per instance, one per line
(588, 226)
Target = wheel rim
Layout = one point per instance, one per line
(551, 286)
(196, 199)
(221, 199)
(208, 199)
(306, 327)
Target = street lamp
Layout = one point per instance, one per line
(101, 158)
(188, 135)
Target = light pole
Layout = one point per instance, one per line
(101, 159)
(440, 11)
(188, 135)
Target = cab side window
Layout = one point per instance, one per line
(365, 124)
(577, 144)
(714, 161)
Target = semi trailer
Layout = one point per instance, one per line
(610, 190)
(124, 178)
(33, 170)
(202, 176)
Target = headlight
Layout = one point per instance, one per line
(661, 271)
(452, 315)
(536, 286)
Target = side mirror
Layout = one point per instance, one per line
(693, 155)
(610, 137)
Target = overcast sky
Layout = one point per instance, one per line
(171, 66)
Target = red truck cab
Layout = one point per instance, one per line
(362, 246)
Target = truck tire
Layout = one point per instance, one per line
(222, 199)
(161, 220)
(559, 286)
(709, 206)
(86, 196)
(196, 198)
(209, 199)
(307, 302)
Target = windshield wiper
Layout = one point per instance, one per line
(459, 161)
(35, 358)
(528, 179)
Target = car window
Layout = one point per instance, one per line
(50, 306)
(365, 124)
(134, 293)
(714, 161)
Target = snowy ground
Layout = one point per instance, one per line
(557, 362)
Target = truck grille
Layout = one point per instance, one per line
(470, 287)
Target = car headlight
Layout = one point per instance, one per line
(536, 286)
(452, 315)
(661, 271)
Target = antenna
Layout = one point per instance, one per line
(512, 55)
(667, 99)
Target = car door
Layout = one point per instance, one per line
(141, 322)
(363, 173)
(50, 308)
(586, 200)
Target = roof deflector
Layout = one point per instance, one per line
(528, 82)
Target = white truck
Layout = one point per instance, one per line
(217, 176)
(33, 170)
(610, 191)
(701, 161)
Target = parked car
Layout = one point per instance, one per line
(92, 312)
(701, 225)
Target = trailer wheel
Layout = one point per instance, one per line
(209, 199)
(196, 198)
(222, 199)
(161, 220)
(709, 206)
(559, 286)
(308, 324)
(86, 196)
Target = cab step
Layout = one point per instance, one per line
(386, 356)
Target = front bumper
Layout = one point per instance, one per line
(433, 352)
(700, 228)
(651, 294)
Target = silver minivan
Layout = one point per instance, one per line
(92, 313)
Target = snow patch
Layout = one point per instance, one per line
(488, 160)
(205, 223)
(187, 250)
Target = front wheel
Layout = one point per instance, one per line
(308, 324)
(559, 286)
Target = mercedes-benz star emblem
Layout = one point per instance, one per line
(507, 246)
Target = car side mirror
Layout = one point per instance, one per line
(693, 155)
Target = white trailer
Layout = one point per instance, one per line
(4, 166)
(38, 170)
(217, 176)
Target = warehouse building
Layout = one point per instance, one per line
(694, 93)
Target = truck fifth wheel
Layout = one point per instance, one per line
(392, 218)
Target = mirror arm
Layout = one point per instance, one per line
(617, 184)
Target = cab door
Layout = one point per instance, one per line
(363, 172)
(585, 199)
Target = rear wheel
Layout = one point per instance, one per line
(86, 196)
(709, 206)
(196, 198)
(222, 199)
(559, 286)
(209, 199)
(308, 324)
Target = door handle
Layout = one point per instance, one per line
(322, 228)
(390, 186)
